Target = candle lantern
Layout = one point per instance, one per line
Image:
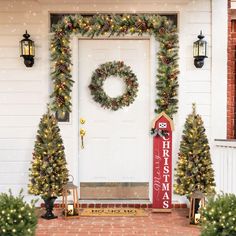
(70, 202)
(27, 50)
(197, 201)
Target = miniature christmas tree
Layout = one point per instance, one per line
(48, 173)
(194, 167)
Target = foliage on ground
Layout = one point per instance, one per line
(17, 218)
(219, 216)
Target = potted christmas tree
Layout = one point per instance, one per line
(194, 170)
(48, 173)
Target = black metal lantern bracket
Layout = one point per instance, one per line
(27, 50)
(199, 51)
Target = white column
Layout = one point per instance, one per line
(219, 68)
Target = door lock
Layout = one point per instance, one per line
(82, 121)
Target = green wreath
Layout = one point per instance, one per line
(118, 69)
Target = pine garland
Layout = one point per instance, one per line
(115, 68)
(114, 25)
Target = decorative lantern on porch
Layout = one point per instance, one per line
(27, 50)
(197, 201)
(199, 51)
(70, 206)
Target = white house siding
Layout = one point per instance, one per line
(24, 91)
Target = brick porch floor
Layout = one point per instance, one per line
(162, 224)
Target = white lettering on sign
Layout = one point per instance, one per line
(166, 144)
(165, 186)
(165, 153)
(166, 196)
(162, 125)
(166, 170)
(165, 204)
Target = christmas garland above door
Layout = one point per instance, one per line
(159, 26)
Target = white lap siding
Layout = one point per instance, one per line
(24, 91)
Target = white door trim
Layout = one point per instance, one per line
(75, 116)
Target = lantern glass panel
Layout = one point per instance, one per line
(195, 49)
(202, 48)
(32, 49)
(25, 46)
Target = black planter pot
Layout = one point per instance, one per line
(49, 204)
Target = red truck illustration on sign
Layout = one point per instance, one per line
(162, 163)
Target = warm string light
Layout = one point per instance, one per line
(124, 25)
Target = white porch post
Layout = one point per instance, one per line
(219, 69)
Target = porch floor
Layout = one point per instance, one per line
(162, 224)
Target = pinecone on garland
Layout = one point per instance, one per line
(121, 64)
(165, 60)
(59, 33)
(62, 86)
(60, 100)
(169, 45)
(106, 27)
(162, 31)
(62, 68)
(141, 25)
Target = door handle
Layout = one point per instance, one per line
(82, 133)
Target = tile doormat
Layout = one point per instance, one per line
(113, 212)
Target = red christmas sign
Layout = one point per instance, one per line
(162, 163)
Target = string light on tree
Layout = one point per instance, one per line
(194, 166)
(48, 173)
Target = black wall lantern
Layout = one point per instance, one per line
(199, 51)
(27, 50)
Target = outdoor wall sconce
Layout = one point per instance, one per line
(199, 51)
(27, 50)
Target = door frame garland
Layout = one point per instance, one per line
(164, 31)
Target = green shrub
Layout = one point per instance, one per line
(219, 216)
(17, 218)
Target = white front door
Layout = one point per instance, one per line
(117, 143)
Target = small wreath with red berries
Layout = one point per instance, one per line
(117, 69)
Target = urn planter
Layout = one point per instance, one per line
(49, 204)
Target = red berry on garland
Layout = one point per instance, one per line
(69, 25)
(62, 86)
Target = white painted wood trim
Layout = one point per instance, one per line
(225, 143)
(219, 69)
(154, 45)
(110, 1)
